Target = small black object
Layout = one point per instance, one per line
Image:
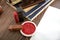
(20, 14)
(10, 1)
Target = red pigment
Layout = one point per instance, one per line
(28, 28)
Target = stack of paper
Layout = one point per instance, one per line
(49, 27)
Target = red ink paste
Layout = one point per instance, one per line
(28, 28)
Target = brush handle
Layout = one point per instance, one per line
(15, 27)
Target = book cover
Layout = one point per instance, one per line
(38, 9)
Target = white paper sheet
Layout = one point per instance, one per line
(49, 27)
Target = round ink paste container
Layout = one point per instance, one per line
(28, 28)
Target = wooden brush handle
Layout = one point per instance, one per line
(15, 27)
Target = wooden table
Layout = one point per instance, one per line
(7, 19)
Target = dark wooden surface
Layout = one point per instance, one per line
(7, 19)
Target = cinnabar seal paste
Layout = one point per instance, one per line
(28, 28)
